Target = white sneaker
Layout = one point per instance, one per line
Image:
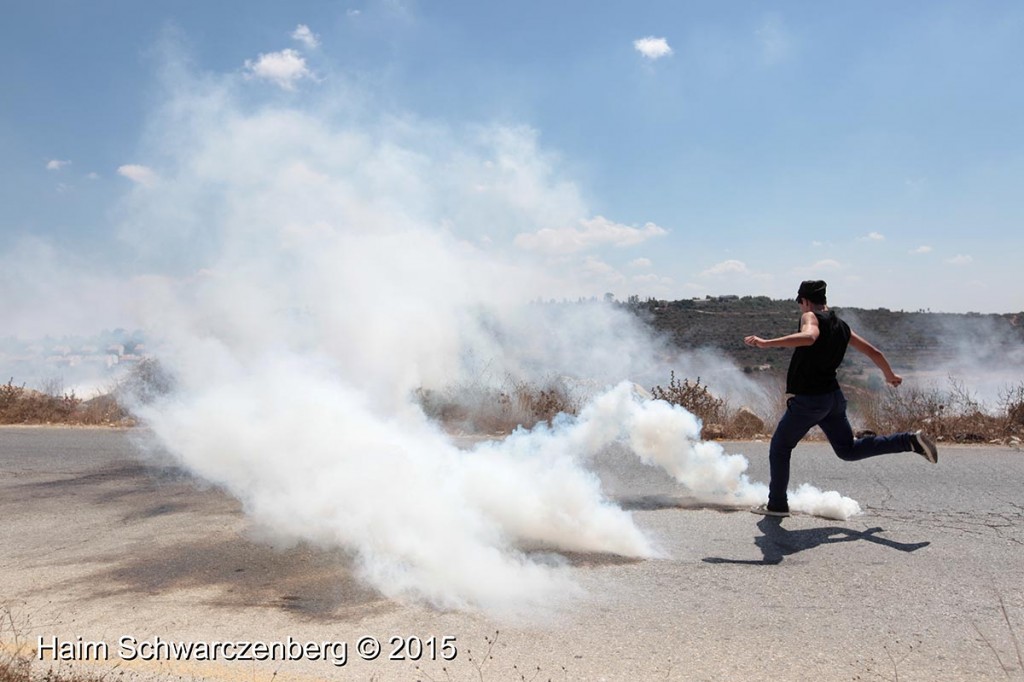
(765, 511)
(924, 446)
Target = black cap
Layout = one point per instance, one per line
(813, 290)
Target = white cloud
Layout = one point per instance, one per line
(640, 263)
(57, 164)
(598, 231)
(93, 176)
(353, 12)
(825, 265)
(595, 266)
(304, 35)
(652, 279)
(143, 175)
(873, 237)
(922, 249)
(652, 48)
(284, 68)
(729, 267)
(960, 259)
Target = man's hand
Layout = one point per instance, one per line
(894, 380)
(755, 341)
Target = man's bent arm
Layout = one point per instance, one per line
(807, 335)
(876, 356)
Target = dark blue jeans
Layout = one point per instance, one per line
(803, 412)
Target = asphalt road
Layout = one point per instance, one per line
(928, 584)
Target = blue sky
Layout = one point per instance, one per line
(742, 148)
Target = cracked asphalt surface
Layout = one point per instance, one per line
(928, 584)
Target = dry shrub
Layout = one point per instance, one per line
(480, 408)
(19, 405)
(698, 400)
(147, 381)
(102, 410)
(1011, 402)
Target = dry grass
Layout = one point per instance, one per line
(54, 405)
(952, 414)
(20, 405)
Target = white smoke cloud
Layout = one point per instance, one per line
(590, 233)
(344, 266)
(58, 294)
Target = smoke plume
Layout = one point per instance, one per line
(319, 266)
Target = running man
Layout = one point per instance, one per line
(817, 400)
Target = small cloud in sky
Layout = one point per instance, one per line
(57, 164)
(652, 279)
(960, 259)
(873, 237)
(284, 68)
(728, 267)
(599, 231)
(922, 249)
(142, 175)
(306, 36)
(652, 48)
(825, 265)
(640, 263)
(774, 40)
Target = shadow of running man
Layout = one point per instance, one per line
(775, 542)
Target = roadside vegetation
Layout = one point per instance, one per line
(20, 405)
(53, 405)
(951, 413)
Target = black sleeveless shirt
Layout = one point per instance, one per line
(812, 370)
